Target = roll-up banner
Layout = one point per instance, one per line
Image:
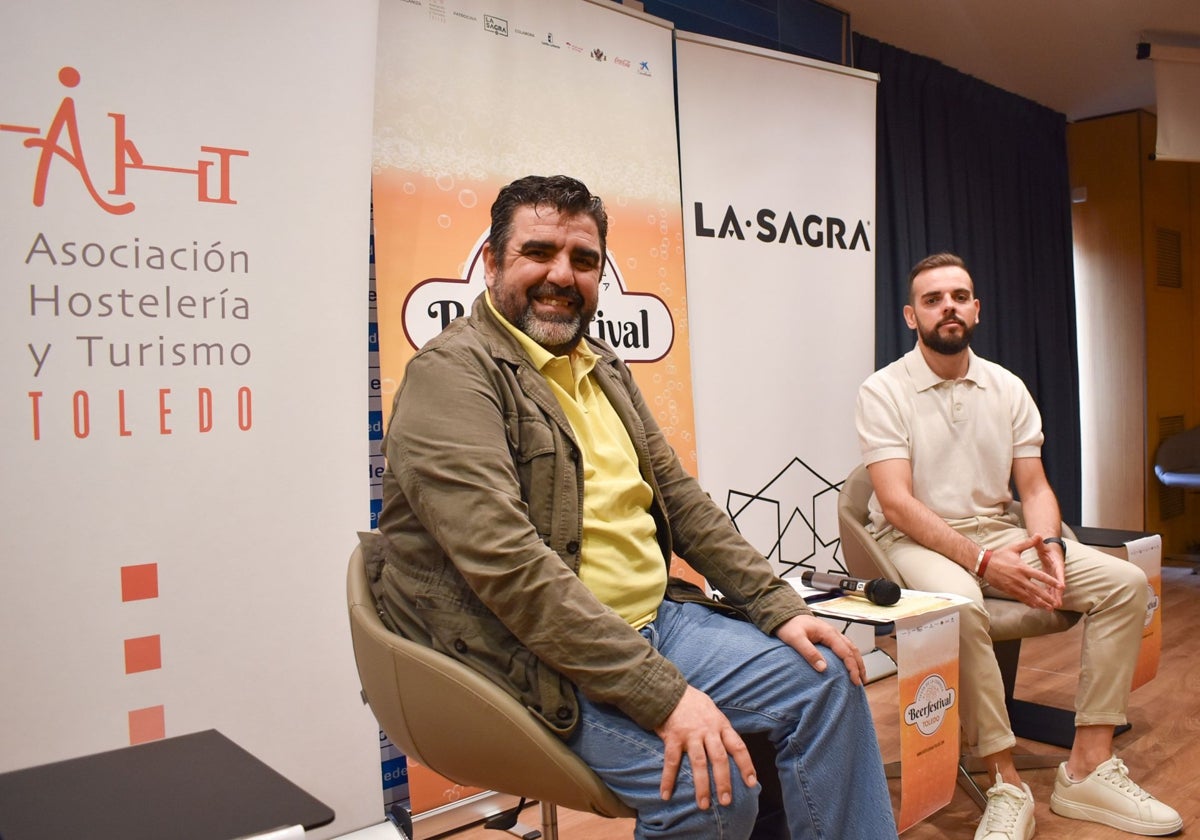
(927, 647)
(778, 162)
(578, 88)
(186, 194)
(778, 168)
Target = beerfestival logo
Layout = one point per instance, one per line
(637, 325)
(928, 710)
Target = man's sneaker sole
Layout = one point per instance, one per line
(1075, 811)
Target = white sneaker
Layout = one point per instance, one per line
(1110, 797)
(1009, 813)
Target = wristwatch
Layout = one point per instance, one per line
(1060, 542)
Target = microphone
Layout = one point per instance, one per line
(879, 591)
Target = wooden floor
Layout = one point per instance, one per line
(1162, 750)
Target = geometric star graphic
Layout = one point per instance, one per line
(791, 520)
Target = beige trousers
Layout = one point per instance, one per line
(1111, 593)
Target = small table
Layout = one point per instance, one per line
(200, 786)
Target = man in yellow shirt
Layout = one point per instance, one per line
(531, 510)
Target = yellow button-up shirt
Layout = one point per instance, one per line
(620, 560)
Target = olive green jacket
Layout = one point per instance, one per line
(479, 538)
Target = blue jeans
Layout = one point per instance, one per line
(827, 756)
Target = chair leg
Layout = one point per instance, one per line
(1035, 721)
(972, 788)
(549, 821)
(970, 765)
(771, 822)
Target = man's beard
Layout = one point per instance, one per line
(558, 333)
(947, 345)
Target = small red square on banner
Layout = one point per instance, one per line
(139, 582)
(143, 654)
(147, 724)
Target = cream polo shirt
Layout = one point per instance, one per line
(620, 559)
(961, 436)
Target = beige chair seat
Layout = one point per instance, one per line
(460, 724)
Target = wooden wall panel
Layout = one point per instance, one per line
(1138, 317)
(1171, 346)
(1107, 227)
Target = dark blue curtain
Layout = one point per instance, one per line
(967, 167)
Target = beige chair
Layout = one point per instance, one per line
(460, 724)
(1011, 622)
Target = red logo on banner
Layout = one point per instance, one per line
(211, 169)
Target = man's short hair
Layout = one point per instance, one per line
(565, 194)
(939, 260)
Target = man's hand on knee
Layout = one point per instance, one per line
(698, 729)
(1008, 572)
(804, 632)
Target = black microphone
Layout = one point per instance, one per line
(879, 591)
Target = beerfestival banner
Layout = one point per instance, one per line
(926, 629)
(578, 88)
(186, 195)
(927, 647)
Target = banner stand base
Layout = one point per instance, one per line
(380, 831)
(879, 664)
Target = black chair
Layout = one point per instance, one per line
(1177, 462)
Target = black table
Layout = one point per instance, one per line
(200, 786)
(1107, 537)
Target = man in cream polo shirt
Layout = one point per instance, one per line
(944, 435)
(531, 508)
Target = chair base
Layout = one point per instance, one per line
(526, 832)
(509, 821)
(1033, 722)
